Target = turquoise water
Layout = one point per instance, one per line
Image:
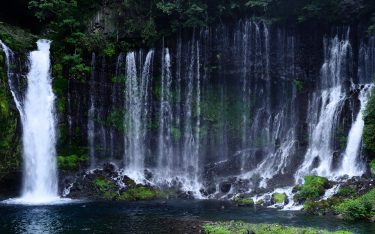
(174, 216)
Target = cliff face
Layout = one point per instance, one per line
(242, 104)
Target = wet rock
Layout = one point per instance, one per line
(225, 187)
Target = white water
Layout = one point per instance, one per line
(351, 164)
(328, 102)
(91, 115)
(136, 119)
(39, 136)
(9, 57)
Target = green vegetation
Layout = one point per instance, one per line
(140, 193)
(312, 189)
(71, 162)
(346, 192)
(372, 167)
(243, 201)
(17, 39)
(279, 197)
(104, 185)
(10, 150)
(361, 208)
(243, 228)
(369, 130)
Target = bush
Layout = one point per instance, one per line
(312, 189)
(361, 208)
(346, 192)
(71, 162)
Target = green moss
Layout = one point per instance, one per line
(243, 201)
(139, 193)
(362, 207)
(70, 162)
(104, 185)
(243, 228)
(312, 189)
(279, 197)
(346, 192)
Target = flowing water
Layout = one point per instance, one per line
(38, 124)
(225, 105)
(153, 217)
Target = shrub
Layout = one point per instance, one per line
(313, 188)
(362, 207)
(70, 162)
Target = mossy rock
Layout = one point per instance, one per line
(279, 198)
(243, 201)
(104, 185)
(139, 193)
(313, 188)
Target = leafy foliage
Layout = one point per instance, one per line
(242, 228)
(362, 207)
(369, 130)
(312, 189)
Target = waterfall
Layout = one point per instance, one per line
(9, 60)
(91, 115)
(134, 158)
(328, 102)
(351, 164)
(39, 135)
(165, 117)
(137, 117)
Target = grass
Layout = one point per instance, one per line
(244, 228)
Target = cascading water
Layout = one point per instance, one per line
(328, 102)
(137, 107)
(165, 138)
(351, 164)
(234, 109)
(91, 115)
(38, 121)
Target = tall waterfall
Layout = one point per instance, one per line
(137, 106)
(91, 115)
(165, 159)
(324, 110)
(38, 122)
(234, 105)
(351, 164)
